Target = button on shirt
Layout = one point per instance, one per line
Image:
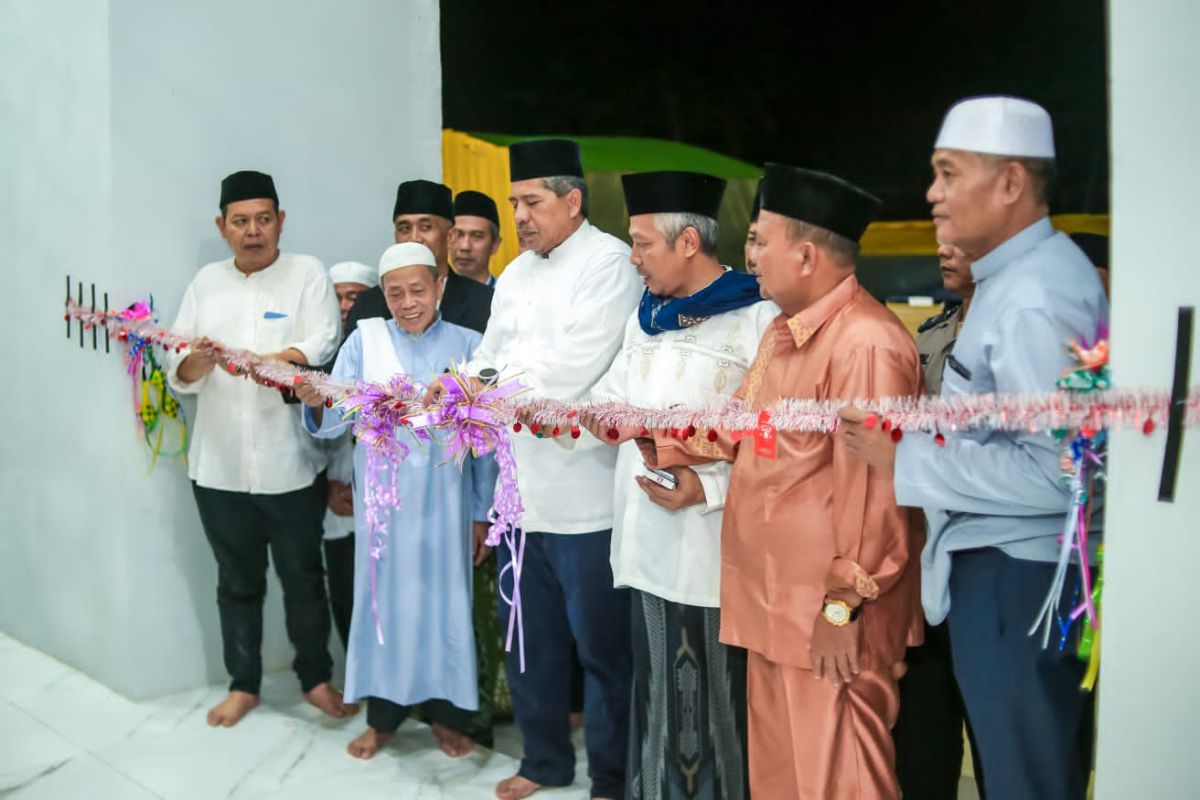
(1033, 294)
(556, 324)
(245, 438)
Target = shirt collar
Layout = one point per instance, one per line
(237, 273)
(1011, 249)
(569, 244)
(810, 320)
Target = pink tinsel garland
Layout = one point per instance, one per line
(1142, 409)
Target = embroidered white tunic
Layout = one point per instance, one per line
(676, 555)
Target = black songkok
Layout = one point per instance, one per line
(247, 185)
(423, 197)
(476, 204)
(543, 158)
(673, 193)
(819, 199)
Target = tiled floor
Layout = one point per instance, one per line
(64, 736)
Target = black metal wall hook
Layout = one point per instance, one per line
(78, 299)
(1179, 396)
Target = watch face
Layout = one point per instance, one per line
(837, 613)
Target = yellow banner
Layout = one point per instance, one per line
(470, 163)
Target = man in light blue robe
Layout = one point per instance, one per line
(420, 649)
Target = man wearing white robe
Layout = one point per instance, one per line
(556, 324)
(693, 337)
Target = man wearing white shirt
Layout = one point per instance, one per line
(254, 471)
(691, 340)
(557, 318)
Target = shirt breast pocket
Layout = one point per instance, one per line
(956, 378)
(275, 328)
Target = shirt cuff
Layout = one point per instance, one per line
(847, 575)
(714, 497)
(179, 386)
(910, 468)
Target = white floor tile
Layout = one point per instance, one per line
(62, 735)
(84, 776)
(30, 748)
(85, 712)
(27, 671)
(196, 761)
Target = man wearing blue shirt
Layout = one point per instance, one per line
(995, 499)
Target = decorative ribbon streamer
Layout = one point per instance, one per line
(1082, 463)
(476, 422)
(146, 378)
(377, 416)
(1142, 409)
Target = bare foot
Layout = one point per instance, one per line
(227, 712)
(369, 743)
(516, 788)
(329, 700)
(576, 720)
(453, 743)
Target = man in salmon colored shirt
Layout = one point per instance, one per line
(819, 574)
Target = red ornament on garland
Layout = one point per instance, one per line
(516, 427)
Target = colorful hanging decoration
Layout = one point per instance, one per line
(1083, 471)
(155, 405)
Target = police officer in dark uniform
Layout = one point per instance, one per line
(928, 732)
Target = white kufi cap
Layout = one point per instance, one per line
(406, 254)
(353, 272)
(1002, 126)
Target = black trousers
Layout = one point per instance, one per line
(241, 528)
(386, 716)
(339, 571)
(928, 732)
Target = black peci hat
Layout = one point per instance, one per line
(543, 158)
(673, 192)
(247, 185)
(818, 198)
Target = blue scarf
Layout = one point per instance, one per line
(731, 291)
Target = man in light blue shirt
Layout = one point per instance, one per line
(995, 500)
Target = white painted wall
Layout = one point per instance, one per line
(1149, 699)
(118, 120)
